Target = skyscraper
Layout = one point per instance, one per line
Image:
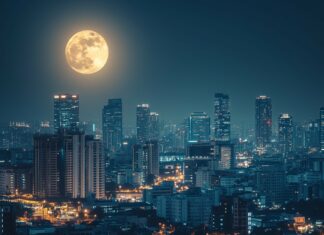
(322, 129)
(199, 127)
(48, 167)
(74, 165)
(154, 129)
(112, 125)
(142, 122)
(66, 112)
(222, 117)
(95, 168)
(263, 120)
(151, 159)
(285, 131)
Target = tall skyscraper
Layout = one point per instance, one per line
(285, 131)
(66, 112)
(222, 117)
(154, 126)
(142, 122)
(199, 127)
(112, 125)
(322, 129)
(263, 120)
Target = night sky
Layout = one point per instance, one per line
(171, 54)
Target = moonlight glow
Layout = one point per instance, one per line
(86, 52)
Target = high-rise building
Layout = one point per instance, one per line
(298, 136)
(142, 122)
(312, 134)
(199, 127)
(154, 126)
(151, 161)
(263, 120)
(271, 183)
(95, 170)
(74, 165)
(222, 117)
(137, 153)
(322, 129)
(68, 165)
(66, 112)
(285, 132)
(48, 167)
(112, 125)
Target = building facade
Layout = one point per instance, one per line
(66, 112)
(263, 121)
(222, 117)
(285, 132)
(112, 125)
(142, 122)
(199, 127)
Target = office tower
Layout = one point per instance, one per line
(154, 126)
(48, 167)
(285, 132)
(66, 112)
(199, 127)
(142, 122)
(112, 125)
(222, 117)
(226, 156)
(7, 218)
(263, 120)
(95, 170)
(322, 129)
(151, 161)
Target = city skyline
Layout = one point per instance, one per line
(266, 60)
(162, 117)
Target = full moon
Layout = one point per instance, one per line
(86, 52)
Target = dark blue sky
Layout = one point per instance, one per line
(171, 54)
